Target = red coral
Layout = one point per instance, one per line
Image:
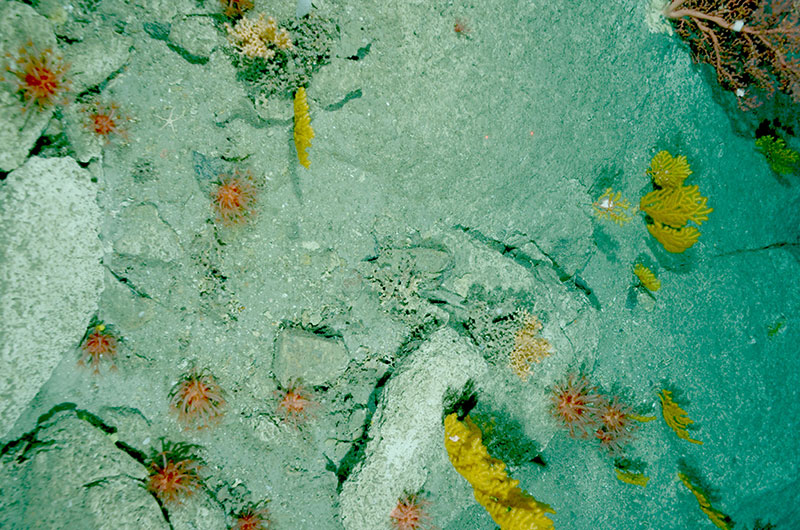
(253, 517)
(40, 76)
(174, 472)
(105, 121)
(750, 44)
(410, 513)
(616, 427)
(295, 403)
(234, 198)
(99, 344)
(197, 399)
(577, 404)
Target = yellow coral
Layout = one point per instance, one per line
(629, 477)
(258, 38)
(647, 277)
(510, 507)
(676, 206)
(673, 205)
(303, 133)
(611, 205)
(676, 417)
(528, 347)
(668, 171)
(719, 519)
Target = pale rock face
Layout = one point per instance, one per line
(51, 276)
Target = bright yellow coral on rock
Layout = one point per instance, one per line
(672, 205)
(668, 171)
(510, 507)
(676, 417)
(610, 205)
(647, 277)
(303, 133)
(719, 519)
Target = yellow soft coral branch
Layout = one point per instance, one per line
(629, 477)
(676, 206)
(303, 133)
(719, 519)
(674, 239)
(668, 171)
(510, 507)
(647, 277)
(676, 417)
(611, 205)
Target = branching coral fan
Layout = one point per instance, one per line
(748, 43)
(611, 205)
(672, 205)
(197, 399)
(40, 76)
(258, 38)
(174, 472)
(510, 506)
(677, 418)
(647, 278)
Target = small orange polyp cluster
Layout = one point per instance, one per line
(98, 345)
(40, 76)
(295, 403)
(174, 473)
(233, 198)
(104, 120)
(410, 514)
(197, 399)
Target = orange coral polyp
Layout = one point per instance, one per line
(197, 399)
(170, 480)
(234, 199)
(40, 76)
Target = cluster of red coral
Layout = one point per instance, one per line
(587, 413)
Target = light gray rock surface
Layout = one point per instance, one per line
(51, 277)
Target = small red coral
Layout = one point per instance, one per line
(253, 517)
(616, 426)
(577, 404)
(295, 403)
(410, 513)
(104, 120)
(234, 198)
(197, 399)
(174, 473)
(40, 76)
(99, 344)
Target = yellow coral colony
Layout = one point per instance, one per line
(528, 347)
(303, 133)
(676, 417)
(719, 519)
(629, 477)
(611, 205)
(647, 277)
(258, 38)
(510, 507)
(673, 205)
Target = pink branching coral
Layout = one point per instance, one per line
(174, 472)
(410, 513)
(577, 404)
(197, 399)
(41, 76)
(750, 44)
